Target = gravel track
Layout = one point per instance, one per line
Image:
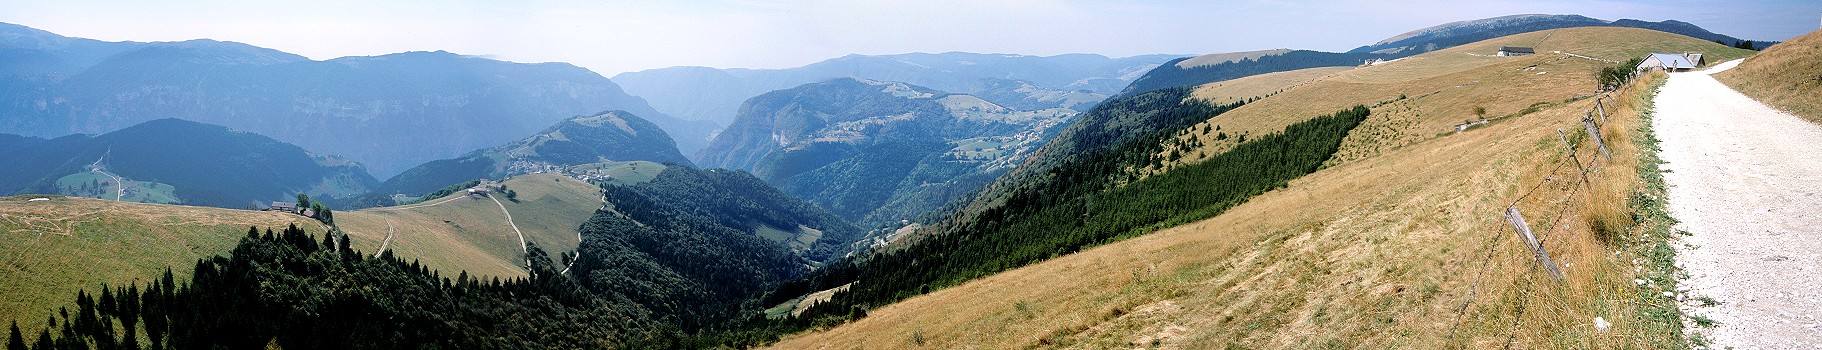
(1745, 182)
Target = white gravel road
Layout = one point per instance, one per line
(1746, 183)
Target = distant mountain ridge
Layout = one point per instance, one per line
(186, 162)
(702, 93)
(877, 151)
(605, 136)
(1202, 69)
(389, 112)
(1462, 32)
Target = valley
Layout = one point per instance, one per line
(1520, 181)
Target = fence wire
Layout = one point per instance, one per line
(1570, 154)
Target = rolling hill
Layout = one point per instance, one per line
(54, 247)
(460, 232)
(1197, 70)
(1396, 241)
(389, 112)
(600, 137)
(1450, 34)
(711, 94)
(878, 152)
(177, 161)
(1778, 76)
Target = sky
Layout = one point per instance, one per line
(610, 36)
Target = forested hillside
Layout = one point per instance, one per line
(176, 161)
(693, 245)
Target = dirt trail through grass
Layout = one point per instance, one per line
(1745, 182)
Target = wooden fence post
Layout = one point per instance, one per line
(1560, 135)
(1537, 248)
(1600, 108)
(1595, 132)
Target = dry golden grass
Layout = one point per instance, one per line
(1787, 76)
(1448, 85)
(1404, 249)
(471, 234)
(50, 249)
(1231, 91)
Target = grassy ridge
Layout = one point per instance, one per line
(461, 233)
(1784, 76)
(52, 248)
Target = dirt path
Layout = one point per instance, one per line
(1746, 183)
(119, 185)
(515, 227)
(385, 242)
(419, 205)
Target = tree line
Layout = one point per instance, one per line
(1089, 200)
(290, 290)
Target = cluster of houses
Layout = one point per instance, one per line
(1670, 62)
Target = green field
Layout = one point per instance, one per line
(52, 248)
(97, 185)
(460, 232)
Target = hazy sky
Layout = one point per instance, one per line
(617, 36)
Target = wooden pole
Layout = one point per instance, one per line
(1537, 248)
(1595, 132)
(1560, 135)
(1601, 108)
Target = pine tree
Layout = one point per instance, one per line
(44, 340)
(15, 341)
(347, 248)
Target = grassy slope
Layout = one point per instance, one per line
(52, 248)
(1787, 76)
(1382, 251)
(1446, 85)
(471, 234)
(1230, 91)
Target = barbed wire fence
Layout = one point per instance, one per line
(1562, 188)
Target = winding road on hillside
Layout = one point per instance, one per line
(1745, 182)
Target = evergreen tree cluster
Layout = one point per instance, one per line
(293, 291)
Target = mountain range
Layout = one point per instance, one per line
(175, 161)
(388, 112)
(1030, 82)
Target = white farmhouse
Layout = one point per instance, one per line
(1671, 62)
